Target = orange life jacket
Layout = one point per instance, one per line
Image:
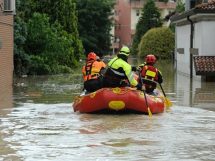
(149, 72)
(92, 69)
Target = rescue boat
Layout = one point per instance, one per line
(119, 100)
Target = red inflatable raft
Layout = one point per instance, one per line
(119, 100)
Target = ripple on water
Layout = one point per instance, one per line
(55, 132)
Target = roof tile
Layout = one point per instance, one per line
(207, 6)
(204, 65)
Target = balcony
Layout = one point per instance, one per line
(164, 5)
(137, 3)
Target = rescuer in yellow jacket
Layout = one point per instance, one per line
(92, 73)
(119, 73)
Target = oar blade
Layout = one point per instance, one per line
(168, 103)
(149, 112)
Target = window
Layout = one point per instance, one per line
(192, 4)
(137, 12)
(197, 2)
(7, 5)
(1, 6)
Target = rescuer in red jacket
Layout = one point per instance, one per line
(150, 74)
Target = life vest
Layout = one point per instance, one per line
(149, 72)
(92, 69)
(120, 69)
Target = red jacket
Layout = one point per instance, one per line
(149, 72)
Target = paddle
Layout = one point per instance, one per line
(141, 83)
(168, 103)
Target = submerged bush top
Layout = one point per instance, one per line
(158, 41)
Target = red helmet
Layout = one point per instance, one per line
(150, 59)
(91, 56)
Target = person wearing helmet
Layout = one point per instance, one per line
(119, 72)
(150, 74)
(92, 73)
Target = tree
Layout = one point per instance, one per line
(49, 46)
(158, 41)
(180, 7)
(46, 37)
(150, 17)
(64, 12)
(94, 24)
(21, 58)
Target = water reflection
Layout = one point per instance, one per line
(194, 93)
(6, 94)
(6, 104)
(48, 89)
(54, 132)
(43, 126)
(205, 95)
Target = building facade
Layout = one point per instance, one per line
(195, 36)
(7, 9)
(127, 14)
(192, 3)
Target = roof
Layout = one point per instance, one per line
(201, 8)
(204, 65)
(207, 6)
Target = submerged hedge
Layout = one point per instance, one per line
(158, 41)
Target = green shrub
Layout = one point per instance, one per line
(51, 49)
(64, 69)
(38, 66)
(158, 41)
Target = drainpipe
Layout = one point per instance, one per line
(191, 59)
(191, 45)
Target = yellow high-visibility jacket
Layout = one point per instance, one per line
(122, 69)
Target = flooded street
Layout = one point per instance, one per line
(41, 124)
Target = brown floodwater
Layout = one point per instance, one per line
(38, 123)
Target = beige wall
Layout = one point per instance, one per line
(204, 37)
(6, 59)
